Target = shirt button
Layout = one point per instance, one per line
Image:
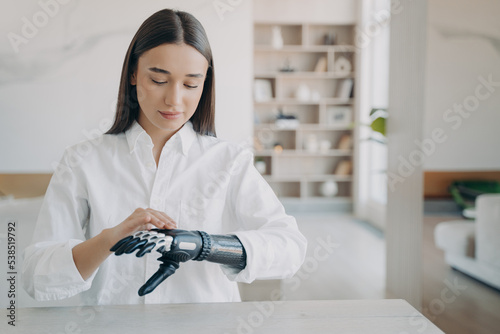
(150, 165)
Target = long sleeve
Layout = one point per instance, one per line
(49, 272)
(274, 246)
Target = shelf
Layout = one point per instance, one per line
(306, 48)
(336, 199)
(304, 127)
(308, 178)
(303, 75)
(330, 100)
(314, 51)
(304, 153)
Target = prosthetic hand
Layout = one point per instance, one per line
(181, 246)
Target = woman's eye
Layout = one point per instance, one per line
(159, 82)
(191, 86)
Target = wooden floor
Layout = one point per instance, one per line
(355, 269)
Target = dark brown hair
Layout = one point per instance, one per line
(166, 27)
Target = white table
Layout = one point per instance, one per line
(343, 316)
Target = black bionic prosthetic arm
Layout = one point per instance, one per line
(181, 246)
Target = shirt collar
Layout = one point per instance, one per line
(186, 135)
(133, 135)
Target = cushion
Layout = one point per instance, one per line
(456, 237)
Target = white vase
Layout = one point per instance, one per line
(303, 93)
(260, 166)
(311, 144)
(325, 145)
(277, 39)
(342, 66)
(329, 188)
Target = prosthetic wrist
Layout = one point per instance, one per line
(181, 246)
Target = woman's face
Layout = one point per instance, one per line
(169, 80)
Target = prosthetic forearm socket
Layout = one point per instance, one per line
(181, 246)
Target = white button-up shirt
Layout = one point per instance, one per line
(202, 182)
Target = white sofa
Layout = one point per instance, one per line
(473, 247)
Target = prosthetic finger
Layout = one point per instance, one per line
(120, 243)
(167, 268)
(134, 245)
(146, 249)
(144, 242)
(126, 245)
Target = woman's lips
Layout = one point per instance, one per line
(170, 114)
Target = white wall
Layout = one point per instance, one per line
(61, 86)
(463, 45)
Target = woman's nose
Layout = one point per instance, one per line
(173, 95)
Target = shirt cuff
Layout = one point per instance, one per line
(59, 278)
(260, 257)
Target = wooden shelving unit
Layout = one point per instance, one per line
(294, 168)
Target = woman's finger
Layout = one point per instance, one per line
(158, 219)
(169, 222)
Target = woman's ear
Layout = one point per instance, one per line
(133, 78)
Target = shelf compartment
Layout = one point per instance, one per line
(333, 137)
(293, 165)
(286, 189)
(325, 88)
(267, 160)
(313, 189)
(299, 61)
(349, 55)
(343, 34)
(291, 34)
(268, 138)
(306, 114)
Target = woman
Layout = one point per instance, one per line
(160, 154)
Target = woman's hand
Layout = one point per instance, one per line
(140, 219)
(89, 254)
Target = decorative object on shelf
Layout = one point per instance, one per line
(257, 144)
(286, 121)
(303, 93)
(315, 96)
(286, 66)
(345, 142)
(329, 188)
(277, 39)
(329, 38)
(278, 148)
(311, 144)
(260, 165)
(266, 138)
(325, 145)
(344, 167)
(339, 115)
(321, 65)
(344, 89)
(342, 66)
(263, 90)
